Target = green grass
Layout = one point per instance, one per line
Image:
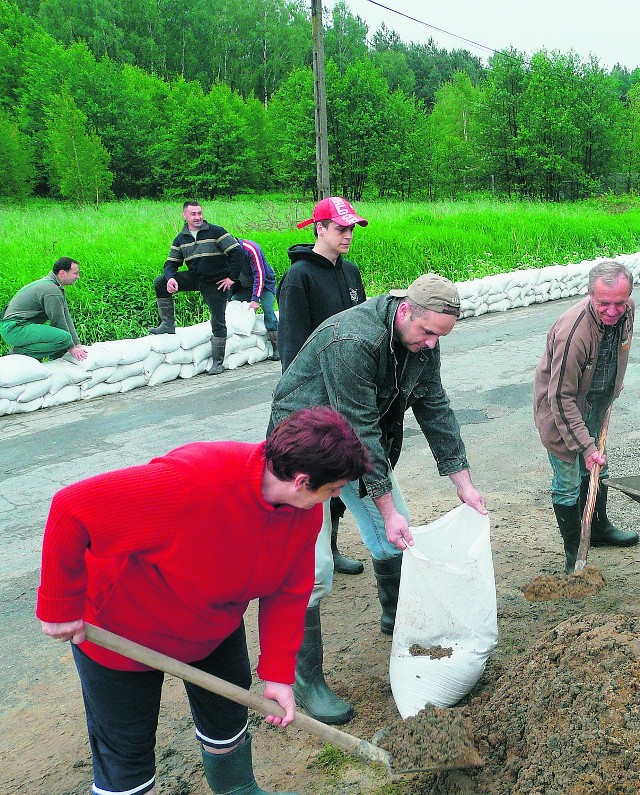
(122, 246)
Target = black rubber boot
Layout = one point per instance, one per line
(341, 563)
(569, 524)
(167, 312)
(603, 532)
(218, 345)
(310, 689)
(273, 339)
(233, 772)
(388, 580)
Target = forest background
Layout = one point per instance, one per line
(112, 113)
(162, 99)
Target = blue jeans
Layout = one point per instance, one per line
(370, 526)
(565, 483)
(267, 300)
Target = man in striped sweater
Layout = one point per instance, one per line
(579, 376)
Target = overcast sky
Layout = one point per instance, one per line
(608, 29)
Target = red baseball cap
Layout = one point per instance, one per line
(334, 209)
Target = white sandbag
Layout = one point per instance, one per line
(18, 369)
(67, 394)
(34, 389)
(7, 406)
(124, 371)
(153, 360)
(164, 343)
(258, 326)
(64, 373)
(11, 392)
(99, 390)
(200, 353)
(133, 382)
(190, 336)
(189, 370)
(447, 605)
(99, 355)
(240, 318)
(236, 360)
(97, 376)
(24, 408)
(164, 373)
(256, 355)
(131, 350)
(261, 342)
(181, 356)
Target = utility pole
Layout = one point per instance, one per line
(320, 102)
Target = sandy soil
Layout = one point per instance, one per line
(556, 711)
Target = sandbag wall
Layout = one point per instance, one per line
(119, 366)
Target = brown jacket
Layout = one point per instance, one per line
(564, 375)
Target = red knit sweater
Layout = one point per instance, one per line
(169, 555)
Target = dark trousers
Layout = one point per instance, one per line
(215, 299)
(122, 710)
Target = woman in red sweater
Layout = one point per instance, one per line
(169, 554)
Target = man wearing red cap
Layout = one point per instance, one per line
(319, 284)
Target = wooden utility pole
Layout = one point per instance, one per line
(320, 102)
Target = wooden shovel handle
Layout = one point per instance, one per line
(264, 706)
(594, 485)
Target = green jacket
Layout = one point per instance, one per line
(348, 363)
(42, 301)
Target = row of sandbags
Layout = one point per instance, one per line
(121, 365)
(523, 287)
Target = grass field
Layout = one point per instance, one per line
(122, 246)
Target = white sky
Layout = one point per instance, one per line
(608, 29)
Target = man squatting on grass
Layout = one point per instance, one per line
(372, 363)
(159, 567)
(214, 259)
(24, 321)
(579, 376)
(320, 283)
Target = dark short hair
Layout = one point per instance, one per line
(190, 204)
(63, 264)
(609, 271)
(324, 223)
(318, 442)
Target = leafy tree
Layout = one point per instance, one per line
(630, 139)
(78, 161)
(456, 147)
(291, 131)
(433, 66)
(16, 167)
(500, 120)
(345, 39)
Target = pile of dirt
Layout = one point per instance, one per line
(563, 718)
(587, 582)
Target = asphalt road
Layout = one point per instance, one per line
(488, 366)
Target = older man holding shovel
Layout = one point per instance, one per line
(372, 362)
(579, 376)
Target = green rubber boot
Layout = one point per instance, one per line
(310, 688)
(167, 312)
(218, 345)
(569, 524)
(603, 532)
(388, 580)
(232, 773)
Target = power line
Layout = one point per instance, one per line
(440, 30)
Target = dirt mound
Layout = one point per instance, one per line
(587, 582)
(565, 717)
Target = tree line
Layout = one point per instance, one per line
(134, 98)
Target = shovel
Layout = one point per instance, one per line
(594, 485)
(347, 742)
